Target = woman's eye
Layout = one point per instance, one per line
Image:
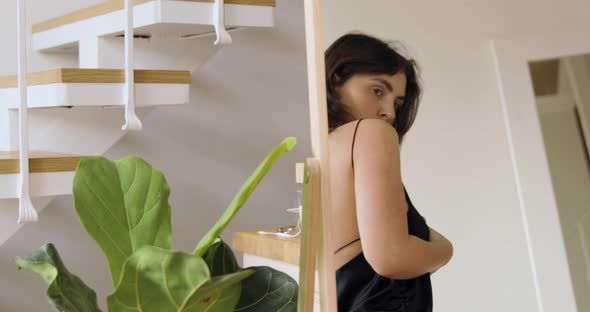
(377, 91)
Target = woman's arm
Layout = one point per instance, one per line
(436, 236)
(382, 208)
(420, 257)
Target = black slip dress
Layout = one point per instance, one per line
(361, 289)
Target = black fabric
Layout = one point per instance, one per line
(353, 138)
(361, 289)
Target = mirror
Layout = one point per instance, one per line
(562, 95)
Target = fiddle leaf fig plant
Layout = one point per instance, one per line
(156, 279)
(66, 292)
(123, 205)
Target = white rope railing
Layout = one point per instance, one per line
(26, 211)
(132, 122)
(223, 36)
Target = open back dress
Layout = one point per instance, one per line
(361, 289)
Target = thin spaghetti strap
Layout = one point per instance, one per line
(353, 138)
(347, 245)
(352, 160)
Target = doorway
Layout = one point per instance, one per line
(558, 85)
(550, 241)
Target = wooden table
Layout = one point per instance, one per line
(280, 253)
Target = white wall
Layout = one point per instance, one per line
(455, 162)
(246, 99)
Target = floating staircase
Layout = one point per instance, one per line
(164, 30)
(51, 173)
(79, 111)
(97, 87)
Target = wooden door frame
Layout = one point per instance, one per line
(319, 199)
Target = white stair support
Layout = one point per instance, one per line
(60, 38)
(5, 131)
(26, 211)
(166, 18)
(41, 184)
(169, 53)
(76, 130)
(132, 122)
(223, 37)
(166, 23)
(97, 94)
(99, 52)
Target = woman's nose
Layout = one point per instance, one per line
(388, 114)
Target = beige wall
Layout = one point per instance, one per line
(456, 162)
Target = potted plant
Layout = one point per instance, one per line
(123, 205)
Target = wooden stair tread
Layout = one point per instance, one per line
(38, 162)
(268, 246)
(115, 5)
(98, 75)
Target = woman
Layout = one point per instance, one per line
(385, 250)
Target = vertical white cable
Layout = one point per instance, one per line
(26, 211)
(132, 122)
(223, 36)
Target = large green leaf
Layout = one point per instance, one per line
(220, 294)
(268, 290)
(123, 205)
(66, 292)
(156, 279)
(247, 188)
(220, 258)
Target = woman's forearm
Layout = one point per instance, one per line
(419, 257)
(436, 236)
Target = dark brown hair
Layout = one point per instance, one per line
(355, 53)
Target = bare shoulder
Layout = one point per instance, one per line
(375, 139)
(376, 129)
(371, 127)
(375, 135)
(372, 135)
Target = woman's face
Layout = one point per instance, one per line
(373, 95)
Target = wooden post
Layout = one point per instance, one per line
(318, 225)
(310, 234)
